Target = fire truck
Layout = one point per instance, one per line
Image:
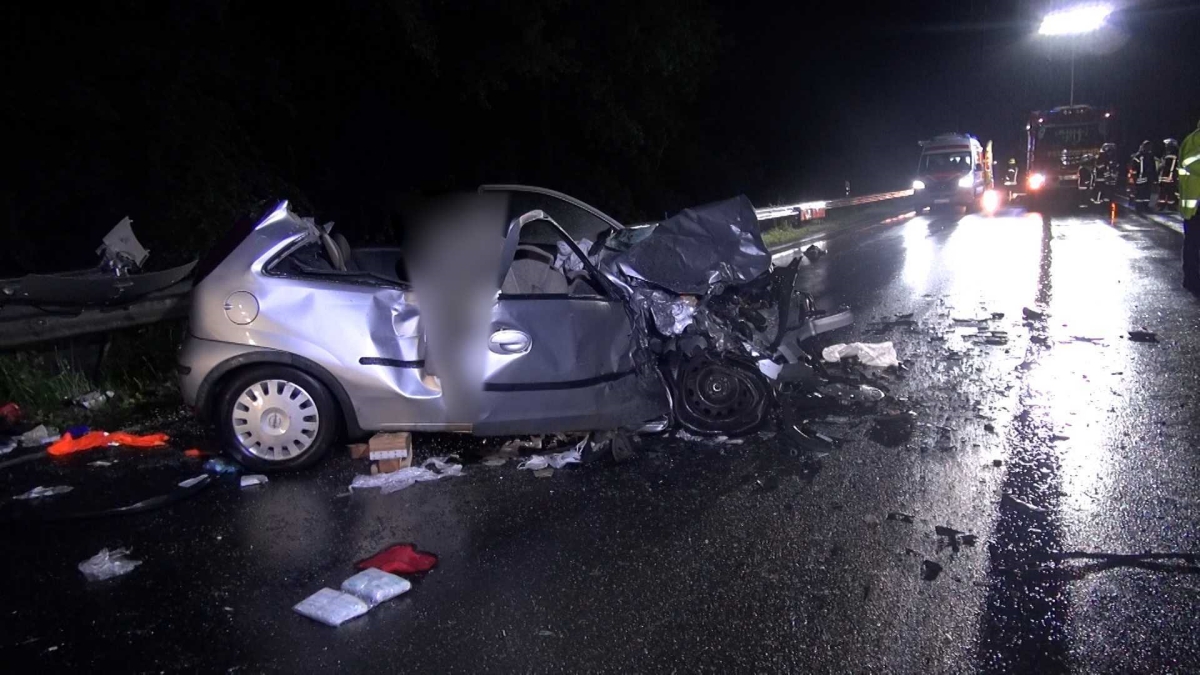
(954, 170)
(1060, 140)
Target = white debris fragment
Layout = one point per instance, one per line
(880, 355)
(556, 460)
(1024, 505)
(769, 368)
(107, 564)
(399, 480)
(251, 480)
(40, 491)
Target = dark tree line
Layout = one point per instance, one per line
(183, 115)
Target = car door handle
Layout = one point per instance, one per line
(509, 341)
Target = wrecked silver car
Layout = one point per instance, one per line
(295, 337)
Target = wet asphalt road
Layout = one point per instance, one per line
(725, 557)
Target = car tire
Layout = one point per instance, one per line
(276, 418)
(720, 396)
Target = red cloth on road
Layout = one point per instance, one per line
(400, 559)
(68, 445)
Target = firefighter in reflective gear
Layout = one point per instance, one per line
(1168, 179)
(1011, 176)
(1087, 174)
(1142, 168)
(1189, 195)
(1106, 172)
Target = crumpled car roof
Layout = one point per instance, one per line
(699, 248)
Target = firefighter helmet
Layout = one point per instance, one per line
(1012, 161)
(1171, 143)
(1108, 147)
(1146, 146)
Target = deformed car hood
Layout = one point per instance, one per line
(698, 249)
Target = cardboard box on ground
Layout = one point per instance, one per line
(389, 452)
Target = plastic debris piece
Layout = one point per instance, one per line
(330, 607)
(374, 586)
(39, 435)
(769, 368)
(494, 460)
(108, 564)
(879, 355)
(930, 570)
(871, 519)
(68, 444)
(78, 430)
(192, 481)
(556, 460)
(8, 446)
(1032, 314)
(997, 462)
(194, 453)
(545, 472)
(253, 480)
(101, 463)
(902, 517)
(220, 466)
(1142, 336)
(1024, 505)
(400, 559)
(94, 399)
(408, 476)
(39, 492)
(813, 252)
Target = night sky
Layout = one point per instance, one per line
(185, 115)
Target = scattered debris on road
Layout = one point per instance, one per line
(108, 564)
(40, 491)
(332, 608)
(434, 468)
(901, 517)
(375, 586)
(930, 570)
(400, 559)
(1032, 314)
(877, 355)
(1023, 505)
(253, 480)
(1142, 336)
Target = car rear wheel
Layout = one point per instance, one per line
(720, 396)
(275, 418)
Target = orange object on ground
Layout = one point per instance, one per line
(194, 452)
(68, 445)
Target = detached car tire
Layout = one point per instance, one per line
(276, 418)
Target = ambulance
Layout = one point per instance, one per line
(954, 170)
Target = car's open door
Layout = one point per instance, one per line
(561, 344)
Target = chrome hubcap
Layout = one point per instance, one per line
(275, 419)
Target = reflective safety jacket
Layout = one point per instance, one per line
(1166, 169)
(1189, 174)
(1143, 167)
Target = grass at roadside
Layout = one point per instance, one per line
(137, 365)
(787, 232)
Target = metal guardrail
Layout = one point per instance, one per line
(816, 209)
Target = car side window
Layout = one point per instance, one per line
(577, 222)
